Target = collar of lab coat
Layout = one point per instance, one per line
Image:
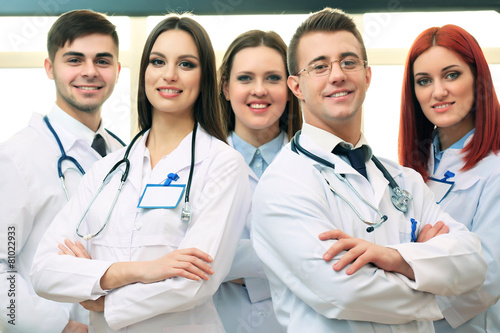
(179, 158)
(70, 137)
(250, 171)
(378, 183)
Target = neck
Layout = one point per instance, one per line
(166, 134)
(450, 135)
(257, 137)
(91, 119)
(345, 126)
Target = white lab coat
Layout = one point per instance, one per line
(293, 204)
(31, 195)
(473, 201)
(250, 308)
(220, 199)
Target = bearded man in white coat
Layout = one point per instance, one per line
(83, 62)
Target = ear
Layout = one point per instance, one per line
(48, 68)
(368, 76)
(294, 85)
(118, 73)
(225, 89)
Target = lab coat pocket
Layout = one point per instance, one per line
(159, 227)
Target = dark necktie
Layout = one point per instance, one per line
(355, 156)
(99, 145)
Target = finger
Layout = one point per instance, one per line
(82, 250)
(76, 250)
(186, 274)
(197, 253)
(434, 230)
(65, 250)
(336, 248)
(348, 258)
(444, 230)
(424, 234)
(333, 234)
(195, 266)
(361, 261)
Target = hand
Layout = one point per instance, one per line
(361, 252)
(75, 327)
(430, 231)
(75, 249)
(188, 263)
(95, 306)
(238, 281)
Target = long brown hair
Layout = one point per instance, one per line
(206, 109)
(291, 119)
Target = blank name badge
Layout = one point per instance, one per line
(161, 196)
(440, 188)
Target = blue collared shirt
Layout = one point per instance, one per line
(258, 159)
(438, 153)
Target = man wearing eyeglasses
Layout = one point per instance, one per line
(344, 248)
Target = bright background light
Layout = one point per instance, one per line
(387, 38)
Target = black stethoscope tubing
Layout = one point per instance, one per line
(400, 200)
(186, 211)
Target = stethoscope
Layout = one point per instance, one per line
(65, 157)
(186, 211)
(400, 198)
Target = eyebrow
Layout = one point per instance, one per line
(265, 73)
(342, 55)
(443, 70)
(184, 56)
(80, 54)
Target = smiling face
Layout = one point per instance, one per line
(444, 87)
(257, 91)
(85, 73)
(172, 78)
(332, 102)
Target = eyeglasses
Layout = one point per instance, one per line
(324, 68)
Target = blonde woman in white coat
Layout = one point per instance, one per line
(148, 270)
(261, 116)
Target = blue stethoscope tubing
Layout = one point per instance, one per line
(65, 157)
(400, 199)
(186, 211)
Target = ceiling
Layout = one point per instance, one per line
(235, 7)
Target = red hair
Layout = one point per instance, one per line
(415, 131)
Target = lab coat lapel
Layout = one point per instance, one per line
(178, 159)
(379, 184)
(68, 140)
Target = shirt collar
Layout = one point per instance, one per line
(460, 144)
(328, 141)
(268, 150)
(74, 126)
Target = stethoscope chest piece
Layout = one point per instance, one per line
(401, 199)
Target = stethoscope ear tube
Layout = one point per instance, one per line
(186, 211)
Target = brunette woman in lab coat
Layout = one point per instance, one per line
(150, 270)
(261, 116)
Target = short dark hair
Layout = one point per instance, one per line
(75, 24)
(291, 119)
(206, 108)
(329, 20)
